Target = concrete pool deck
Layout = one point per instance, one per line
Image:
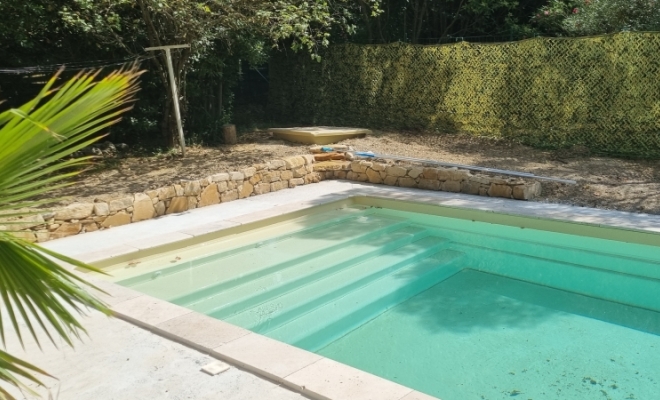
(301, 371)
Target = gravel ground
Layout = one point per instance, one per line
(607, 183)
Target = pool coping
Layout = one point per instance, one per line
(304, 372)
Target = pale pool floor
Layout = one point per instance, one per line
(481, 336)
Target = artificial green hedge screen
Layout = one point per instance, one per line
(601, 92)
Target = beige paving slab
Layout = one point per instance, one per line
(105, 254)
(203, 229)
(114, 294)
(339, 381)
(159, 240)
(148, 310)
(201, 330)
(415, 395)
(275, 358)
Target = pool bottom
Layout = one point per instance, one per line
(483, 336)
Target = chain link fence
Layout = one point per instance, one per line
(599, 92)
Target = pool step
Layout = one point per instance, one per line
(334, 319)
(205, 278)
(229, 301)
(279, 310)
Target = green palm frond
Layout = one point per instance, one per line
(37, 140)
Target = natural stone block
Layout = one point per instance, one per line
(390, 180)
(220, 177)
(432, 184)
(378, 166)
(300, 172)
(275, 186)
(192, 188)
(245, 190)
(309, 159)
(192, 202)
(222, 186)
(153, 194)
(42, 235)
(209, 195)
(277, 164)
(178, 189)
(299, 181)
(120, 204)
(236, 176)
(499, 190)
(30, 236)
(166, 193)
(357, 166)
(407, 181)
(430, 173)
(92, 227)
(458, 175)
(160, 208)
(286, 175)
(143, 208)
(27, 222)
(262, 188)
(527, 191)
(443, 174)
(294, 162)
(204, 182)
(101, 209)
(415, 172)
(373, 176)
(451, 186)
(340, 174)
(53, 227)
(249, 172)
(484, 180)
(256, 178)
(75, 211)
(231, 185)
(396, 171)
(470, 187)
(121, 218)
(177, 204)
(229, 195)
(483, 190)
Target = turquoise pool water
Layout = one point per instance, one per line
(454, 308)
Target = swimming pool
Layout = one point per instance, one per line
(453, 307)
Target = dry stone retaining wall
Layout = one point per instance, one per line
(79, 218)
(275, 175)
(444, 179)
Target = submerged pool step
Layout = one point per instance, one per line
(340, 316)
(185, 285)
(279, 310)
(228, 301)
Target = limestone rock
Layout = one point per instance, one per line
(286, 175)
(262, 188)
(277, 164)
(29, 235)
(249, 172)
(300, 172)
(209, 195)
(160, 208)
(390, 180)
(153, 194)
(101, 209)
(192, 202)
(178, 189)
(75, 211)
(42, 236)
(309, 159)
(396, 171)
(527, 191)
(451, 186)
(470, 187)
(177, 205)
(236, 176)
(378, 167)
(430, 173)
(458, 175)
(222, 186)
(121, 218)
(415, 172)
(275, 186)
(192, 188)
(431, 184)
(373, 176)
(166, 193)
(499, 190)
(120, 204)
(295, 162)
(245, 190)
(91, 227)
(443, 174)
(300, 181)
(340, 174)
(407, 181)
(229, 195)
(143, 208)
(220, 177)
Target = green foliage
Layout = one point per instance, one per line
(594, 17)
(599, 92)
(36, 142)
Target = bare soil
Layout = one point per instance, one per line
(607, 183)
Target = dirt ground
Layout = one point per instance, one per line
(607, 183)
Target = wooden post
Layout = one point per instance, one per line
(229, 133)
(175, 96)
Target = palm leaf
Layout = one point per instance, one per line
(37, 292)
